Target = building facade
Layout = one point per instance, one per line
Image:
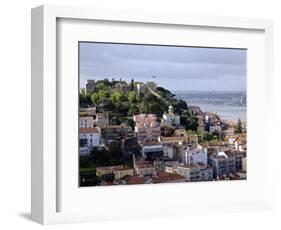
(146, 127)
(102, 119)
(90, 137)
(90, 86)
(171, 118)
(116, 132)
(86, 122)
(195, 155)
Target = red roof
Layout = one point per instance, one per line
(89, 130)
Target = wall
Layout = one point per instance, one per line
(15, 104)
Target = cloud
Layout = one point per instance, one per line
(226, 67)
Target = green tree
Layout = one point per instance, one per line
(85, 100)
(132, 97)
(208, 137)
(238, 128)
(117, 97)
(100, 85)
(190, 123)
(167, 130)
(95, 98)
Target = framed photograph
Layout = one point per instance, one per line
(126, 105)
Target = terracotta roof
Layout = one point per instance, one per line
(133, 179)
(173, 139)
(89, 130)
(163, 177)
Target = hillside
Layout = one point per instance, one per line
(122, 100)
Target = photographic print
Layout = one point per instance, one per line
(152, 114)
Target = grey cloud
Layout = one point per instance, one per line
(185, 64)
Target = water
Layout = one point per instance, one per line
(228, 105)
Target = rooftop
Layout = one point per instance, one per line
(89, 130)
(173, 139)
(190, 166)
(133, 179)
(151, 143)
(162, 177)
(114, 167)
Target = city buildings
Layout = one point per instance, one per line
(144, 168)
(90, 86)
(164, 177)
(146, 127)
(120, 173)
(195, 155)
(171, 118)
(195, 172)
(102, 119)
(86, 122)
(190, 172)
(173, 147)
(223, 164)
(101, 171)
(213, 123)
(152, 150)
(195, 110)
(212, 151)
(90, 137)
(116, 132)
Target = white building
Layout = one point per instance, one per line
(195, 172)
(173, 146)
(171, 118)
(90, 137)
(196, 155)
(190, 172)
(86, 122)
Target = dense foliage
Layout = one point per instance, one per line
(122, 104)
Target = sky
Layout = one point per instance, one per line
(174, 68)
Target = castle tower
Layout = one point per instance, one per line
(171, 109)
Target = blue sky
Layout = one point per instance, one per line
(175, 68)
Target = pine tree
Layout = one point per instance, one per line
(132, 84)
(238, 126)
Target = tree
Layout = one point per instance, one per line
(95, 98)
(132, 97)
(116, 97)
(132, 110)
(100, 85)
(208, 137)
(238, 128)
(190, 123)
(85, 100)
(167, 130)
(132, 84)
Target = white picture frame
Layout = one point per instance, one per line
(46, 181)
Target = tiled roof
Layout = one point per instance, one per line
(89, 130)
